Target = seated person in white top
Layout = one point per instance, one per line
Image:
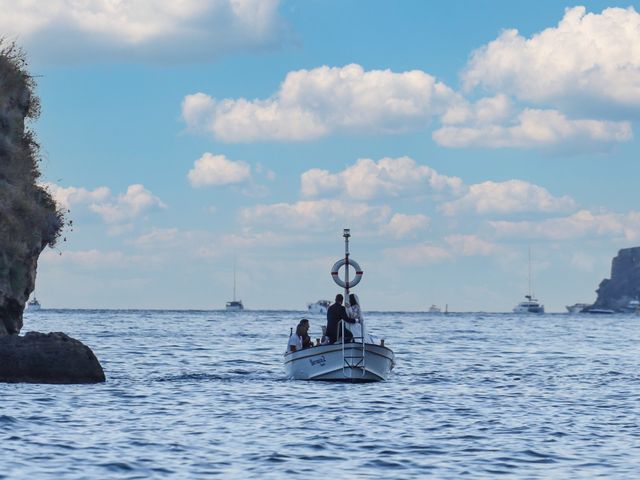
(353, 308)
(300, 339)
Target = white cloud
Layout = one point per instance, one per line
(315, 215)
(68, 197)
(581, 224)
(486, 110)
(590, 55)
(512, 196)
(90, 259)
(216, 170)
(141, 30)
(401, 225)
(535, 128)
(418, 254)
(471, 245)
(367, 179)
(314, 103)
(135, 202)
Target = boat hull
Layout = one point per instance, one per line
(327, 363)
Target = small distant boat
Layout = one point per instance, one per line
(320, 307)
(577, 308)
(361, 360)
(632, 307)
(234, 305)
(600, 311)
(434, 309)
(33, 305)
(530, 305)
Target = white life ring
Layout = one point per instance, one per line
(339, 281)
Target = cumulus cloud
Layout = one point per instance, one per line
(401, 225)
(140, 30)
(512, 196)
(314, 103)
(581, 224)
(217, 170)
(535, 128)
(127, 206)
(68, 197)
(389, 177)
(418, 254)
(471, 245)
(315, 215)
(586, 56)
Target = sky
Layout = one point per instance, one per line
(452, 138)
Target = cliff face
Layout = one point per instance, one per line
(29, 220)
(624, 285)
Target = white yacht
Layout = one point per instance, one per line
(362, 360)
(434, 309)
(577, 308)
(318, 308)
(632, 307)
(234, 305)
(530, 305)
(33, 305)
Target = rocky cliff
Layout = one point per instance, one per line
(29, 219)
(624, 284)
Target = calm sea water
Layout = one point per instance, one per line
(202, 395)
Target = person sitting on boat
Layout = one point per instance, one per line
(335, 314)
(300, 339)
(353, 308)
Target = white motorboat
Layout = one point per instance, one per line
(234, 305)
(434, 309)
(33, 305)
(530, 305)
(318, 308)
(342, 362)
(576, 308)
(632, 307)
(361, 360)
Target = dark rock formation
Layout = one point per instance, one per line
(47, 358)
(624, 284)
(29, 219)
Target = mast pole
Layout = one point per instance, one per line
(530, 292)
(346, 234)
(234, 278)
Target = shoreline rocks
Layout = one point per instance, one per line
(47, 358)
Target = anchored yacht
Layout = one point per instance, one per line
(530, 305)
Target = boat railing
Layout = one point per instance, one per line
(350, 361)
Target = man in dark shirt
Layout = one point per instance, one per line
(335, 313)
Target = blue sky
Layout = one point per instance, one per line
(449, 136)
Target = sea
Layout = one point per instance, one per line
(202, 394)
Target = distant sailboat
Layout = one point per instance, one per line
(530, 305)
(234, 305)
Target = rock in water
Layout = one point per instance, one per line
(47, 358)
(624, 284)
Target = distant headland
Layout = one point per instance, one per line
(623, 287)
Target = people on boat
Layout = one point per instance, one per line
(353, 308)
(335, 314)
(300, 338)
